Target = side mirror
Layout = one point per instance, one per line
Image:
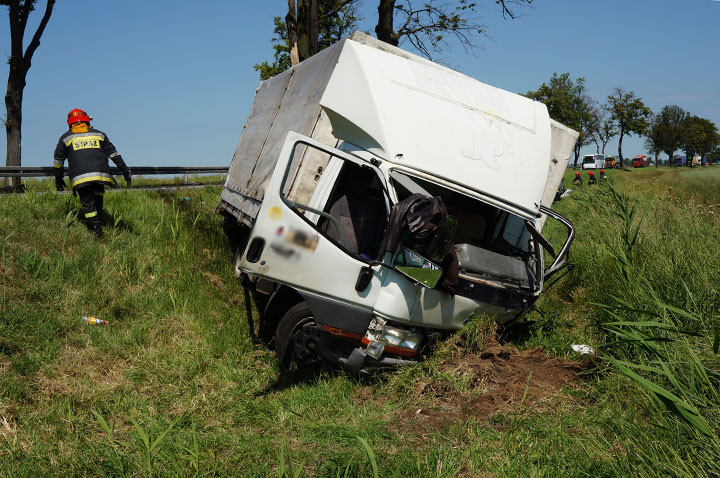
(418, 268)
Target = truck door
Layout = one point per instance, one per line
(320, 230)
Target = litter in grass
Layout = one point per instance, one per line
(583, 349)
(90, 320)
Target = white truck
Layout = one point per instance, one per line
(377, 201)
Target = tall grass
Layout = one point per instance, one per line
(652, 276)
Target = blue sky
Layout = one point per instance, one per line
(172, 83)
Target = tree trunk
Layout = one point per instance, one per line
(303, 29)
(577, 155)
(19, 64)
(13, 121)
(384, 28)
(291, 24)
(622, 161)
(671, 160)
(313, 29)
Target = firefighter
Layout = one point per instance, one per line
(602, 175)
(591, 178)
(87, 151)
(577, 181)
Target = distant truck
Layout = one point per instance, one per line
(611, 162)
(377, 201)
(639, 161)
(593, 161)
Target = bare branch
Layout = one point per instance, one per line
(35, 42)
(426, 27)
(340, 5)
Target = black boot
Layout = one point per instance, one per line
(96, 228)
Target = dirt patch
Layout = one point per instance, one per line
(82, 372)
(5, 364)
(214, 279)
(478, 385)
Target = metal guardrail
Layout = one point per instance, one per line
(41, 171)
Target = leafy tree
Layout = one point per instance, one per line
(629, 114)
(19, 61)
(317, 20)
(654, 138)
(311, 25)
(567, 101)
(671, 118)
(291, 43)
(282, 52)
(425, 24)
(693, 137)
(710, 133)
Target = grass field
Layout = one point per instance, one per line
(174, 385)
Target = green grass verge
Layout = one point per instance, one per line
(174, 386)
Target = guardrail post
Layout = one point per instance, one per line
(186, 178)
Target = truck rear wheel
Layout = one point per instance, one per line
(297, 337)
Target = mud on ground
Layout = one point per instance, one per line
(477, 385)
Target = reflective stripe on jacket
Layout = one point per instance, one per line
(87, 153)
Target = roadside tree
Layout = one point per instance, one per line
(709, 136)
(20, 62)
(426, 24)
(329, 20)
(605, 131)
(672, 118)
(654, 138)
(629, 114)
(312, 25)
(567, 101)
(693, 137)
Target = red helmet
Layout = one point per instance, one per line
(590, 173)
(78, 115)
(602, 170)
(577, 173)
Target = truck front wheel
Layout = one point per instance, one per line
(297, 337)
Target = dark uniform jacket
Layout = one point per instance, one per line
(87, 155)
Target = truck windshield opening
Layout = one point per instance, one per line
(490, 243)
(479, 224)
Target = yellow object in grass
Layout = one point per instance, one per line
(89, 320)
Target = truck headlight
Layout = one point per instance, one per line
(382, 338)
(402, 338)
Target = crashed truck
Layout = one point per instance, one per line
(378, 201)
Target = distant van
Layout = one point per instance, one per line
(593, 161)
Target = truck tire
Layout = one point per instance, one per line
(296, 337)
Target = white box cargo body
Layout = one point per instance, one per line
(403, 109)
